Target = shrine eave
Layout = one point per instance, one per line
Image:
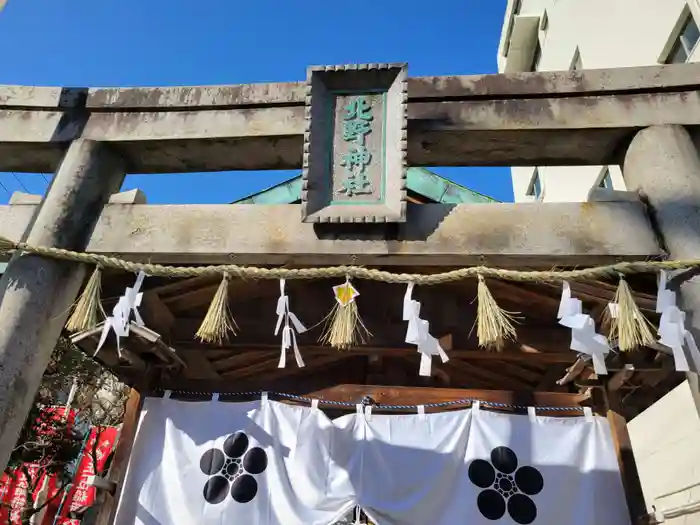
(425, 184)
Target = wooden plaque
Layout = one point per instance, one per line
(355, 144)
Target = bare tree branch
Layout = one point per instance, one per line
(51, 444)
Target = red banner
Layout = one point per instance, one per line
(15, 487)
(81, 495)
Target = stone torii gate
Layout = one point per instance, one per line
(645, 119)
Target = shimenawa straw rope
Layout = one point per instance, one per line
(356, 272)
(344, 327)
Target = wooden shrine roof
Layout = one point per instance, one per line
(539, 361)
(173, 310)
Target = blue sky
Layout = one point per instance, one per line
(181, 42)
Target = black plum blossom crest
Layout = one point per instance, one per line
(507, 487)
(232, 469)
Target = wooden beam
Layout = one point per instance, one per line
(596, 291)
(548, 381)
(185, 347)
(399, 395)
(141, 341)
(316, 367)
(423, 395)
(122, 453)
(198, 366)
(619, 378)
(270, 365)
(573, 371)
(157, 315)
(239, 290)
(533, 338)
(181, 286)
(495, 379)
(236, 359)
(609, 401)
(455, 378)
(502, 235)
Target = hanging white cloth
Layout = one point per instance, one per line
(267, 463)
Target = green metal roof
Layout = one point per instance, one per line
(421, 181)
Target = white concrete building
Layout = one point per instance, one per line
(560, 35)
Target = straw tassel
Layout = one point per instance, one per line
(628, 325)
(6, 245)
(218, 322)
(87, 311)
(493, 324)
(343, 325)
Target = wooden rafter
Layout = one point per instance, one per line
(461, 354)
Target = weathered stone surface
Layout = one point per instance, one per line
(606, 195)
(354, 160)
(36, 293)
(554, 118)
(135, 196)
(507, 235)
(30, 96)
(662, 164)
(560, 83)
(20, 197)
(174, 97)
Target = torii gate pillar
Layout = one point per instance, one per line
(663, 165)
(36, 293)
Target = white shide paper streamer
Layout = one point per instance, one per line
(418, 333)
(119, 321)
(291, 326)
(584, 337)
(672, 332)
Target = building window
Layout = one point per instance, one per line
(536, 57)
(685, 42)
(576, 64)
(606, 180)
(535, 188)
(509, 31)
